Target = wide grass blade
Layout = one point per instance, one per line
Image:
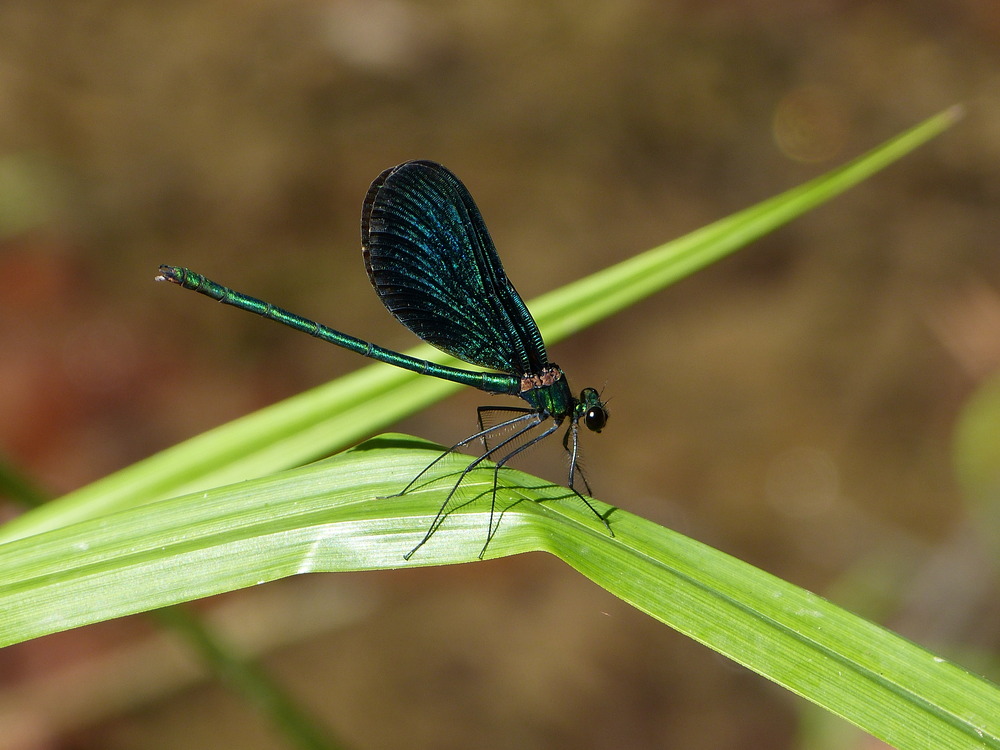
(333, 516)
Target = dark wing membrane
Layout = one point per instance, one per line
(434, 266)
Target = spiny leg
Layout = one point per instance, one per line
(574, 470)
(443, 512)
(500, 464)
(485, 429)
(574, 453)
(574, 467)
(522, 413)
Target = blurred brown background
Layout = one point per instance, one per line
(793, 405)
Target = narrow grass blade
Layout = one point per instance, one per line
(335, 415)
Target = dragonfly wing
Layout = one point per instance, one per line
(432, 262)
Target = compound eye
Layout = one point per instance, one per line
(595, 418)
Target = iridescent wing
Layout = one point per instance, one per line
(432, 262)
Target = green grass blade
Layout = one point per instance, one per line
(328, 517)
(336, 415)
(244, 677)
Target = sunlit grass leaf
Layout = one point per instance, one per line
(334, 516)
(336, 415)
(105, 555)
